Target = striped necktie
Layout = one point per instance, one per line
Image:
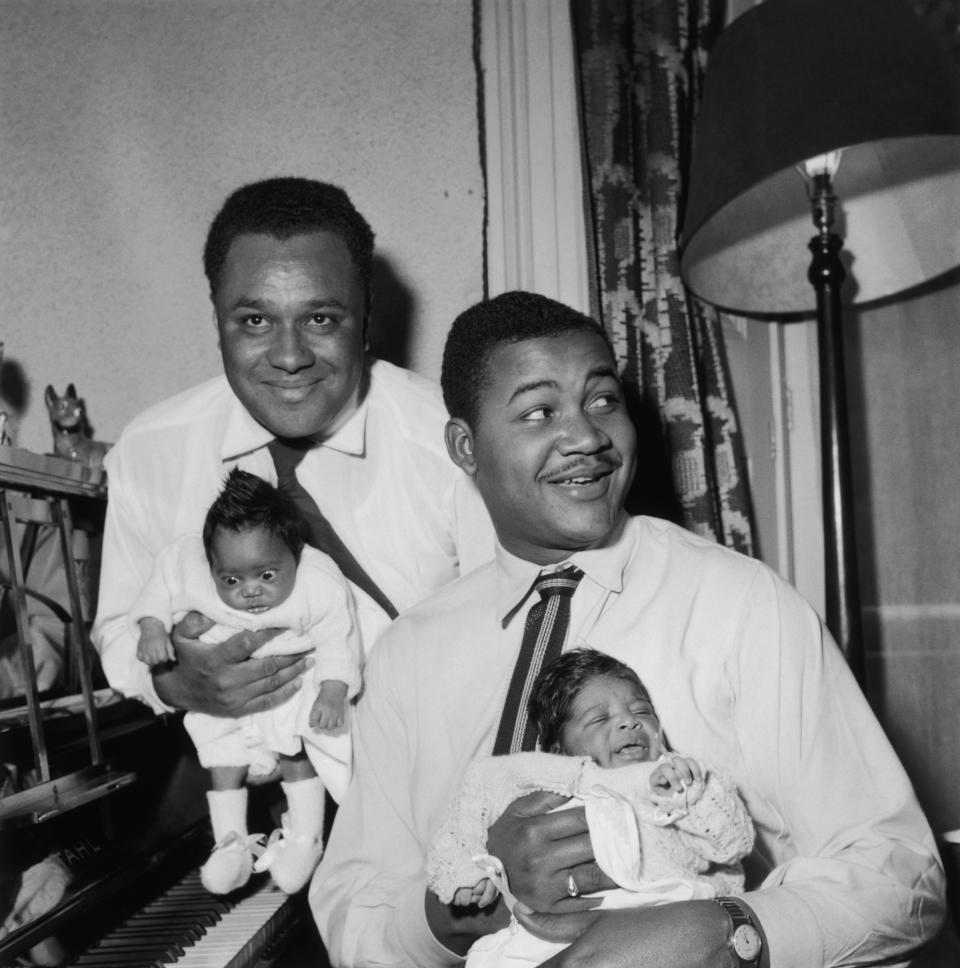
(287, 454)
(543, 637)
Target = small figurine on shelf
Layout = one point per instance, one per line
(71, 431)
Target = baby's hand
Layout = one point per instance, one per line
(154, 649)
(675, 774)
(327, 712)
(483, 894)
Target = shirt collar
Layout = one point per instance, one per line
(604, 564)
(243, 434)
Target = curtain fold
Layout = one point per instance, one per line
(640, 63)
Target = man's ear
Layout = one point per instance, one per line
(459, 438)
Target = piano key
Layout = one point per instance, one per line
(196, 929)
(153, 955)
(234, 941)
(124, 959)
(156, 936)
(172, 917)
(193, 928)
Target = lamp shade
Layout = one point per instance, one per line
(790, 80)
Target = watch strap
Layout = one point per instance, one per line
(739, 917)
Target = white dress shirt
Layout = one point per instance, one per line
(383, 480)
(743, 676)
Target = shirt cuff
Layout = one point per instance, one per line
(794, 937)
(414, 935)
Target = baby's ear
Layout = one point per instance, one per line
(555, 748)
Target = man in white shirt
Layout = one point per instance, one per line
(845, 870)
(289, 263)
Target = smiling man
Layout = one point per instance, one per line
(289, 263)
(556, 482)
(743, 673)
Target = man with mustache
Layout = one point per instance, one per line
(845, 870)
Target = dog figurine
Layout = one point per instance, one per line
(71, 431)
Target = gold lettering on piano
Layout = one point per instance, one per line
(79, 852)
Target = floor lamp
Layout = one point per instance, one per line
(841, 118)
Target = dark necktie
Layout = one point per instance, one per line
(287, 454)
(543, 638)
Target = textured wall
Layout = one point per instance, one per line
(123, 125)
(906, 452)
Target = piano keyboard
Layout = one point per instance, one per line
(190, 928)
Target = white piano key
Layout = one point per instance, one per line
(225, 941)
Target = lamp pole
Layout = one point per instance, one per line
(826, 274)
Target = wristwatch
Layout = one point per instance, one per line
(745, 942)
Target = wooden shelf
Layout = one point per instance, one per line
(51, 474)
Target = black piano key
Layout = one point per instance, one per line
(121, 959)
(182, 929)
(153, 934)
(199, 902)
(188, 915)
(148, 948)
(195, 892)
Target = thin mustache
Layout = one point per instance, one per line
(609, 462)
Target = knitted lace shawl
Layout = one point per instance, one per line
(701, 833)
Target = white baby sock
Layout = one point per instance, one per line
(231, 862)
(228, 812)
(293, 858)
(305, 803)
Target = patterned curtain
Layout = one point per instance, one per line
(640, 68)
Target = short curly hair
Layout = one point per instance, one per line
(559, 683)
(283, 208)
(247, 501)
(509, 318)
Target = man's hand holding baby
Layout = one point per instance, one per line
(224, 679)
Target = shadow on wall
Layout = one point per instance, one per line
(391, 314)
(14, 394)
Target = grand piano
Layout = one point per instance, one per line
(103, 820)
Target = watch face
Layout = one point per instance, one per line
(746, 942)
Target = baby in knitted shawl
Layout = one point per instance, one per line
(662, 826)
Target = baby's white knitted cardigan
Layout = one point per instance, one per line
(702, 832)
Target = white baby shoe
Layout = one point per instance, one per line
(290, 857)
(230, 864)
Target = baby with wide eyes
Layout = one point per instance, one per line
(250, 570)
